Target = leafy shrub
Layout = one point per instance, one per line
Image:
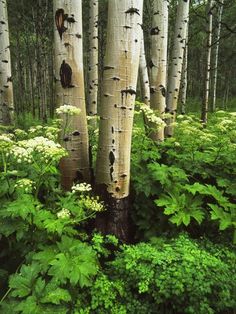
(191, 176)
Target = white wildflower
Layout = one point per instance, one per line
(93, 204)
(64, 213)
(25, 184)
(68, 109)
(81, 187)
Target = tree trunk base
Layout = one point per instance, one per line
(116, 219)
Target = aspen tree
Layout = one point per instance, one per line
(116, 112)
(93, 58)
(205, 103)
(158, 63)
(184, 78)
(69, 80)
(143, 74)
(215, 73)
(176, 60)
(6, 89)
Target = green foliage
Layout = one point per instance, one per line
(191, 177)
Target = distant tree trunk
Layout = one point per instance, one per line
(215, 73)
(177, 55)
(205, 103)
(143, 74)
(69, 80)
(6, 89)
(158, 62)
(184, 78)
(116, 114)
(93, 58)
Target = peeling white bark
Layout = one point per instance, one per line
(69, 51)
(177, 55)
(6, 89)
(158, 64)
(93, 58)
(119, 89)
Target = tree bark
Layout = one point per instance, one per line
(205, 103)
(184, 79)
(177, 55)
(69, 81)
(215, 73)
(93, 58)
(6, 88)
(143, 74)
(116, 113)
(158, 63)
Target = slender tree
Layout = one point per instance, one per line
(116, 114)
(176, 60)
(69, 80)
(143, 74)
(93, 58)
(158, 63)
(215, 72)
(6, 89)
(184, 79)
(205, 102)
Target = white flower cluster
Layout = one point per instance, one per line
(81, 187)
(20, 154)
(68, 109)
(25, 184)
(93, 204)
(50, 132)
(48, 149)
(20, 133)
(64, 213)
(5, 142)
(152, 117)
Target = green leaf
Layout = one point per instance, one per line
(56, 296)
(22, 283)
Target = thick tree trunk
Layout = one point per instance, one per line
(215, 73)
(205, 103)
(177, 55)
(6, 89)
(158, 63)
(117, 110)
(143, 74)
(93, 58)
(69, 80)
(184, 79)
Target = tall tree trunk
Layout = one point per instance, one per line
(158, 63)
(6, 89)
(93, 58)
(116, 114)
(184, 79)
(177, 55)
(205, 103)
(69, 80)
(143, 74)
(215, 73)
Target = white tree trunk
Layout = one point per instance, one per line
(69, 78)
(205, 104)
(184, 79)
(93, 58)
(215, 74)
(158, 64)
(117, 109)
(6, 89)
(143, 74)
(177, 55)
(119, 88)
